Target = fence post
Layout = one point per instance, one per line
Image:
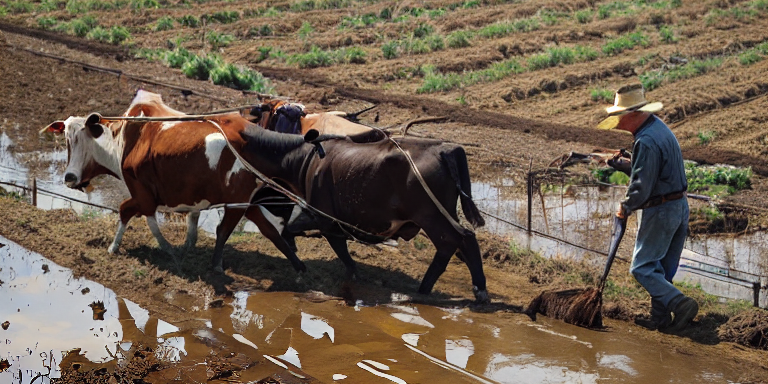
(756, 293)
(530, 199)
(34, 192)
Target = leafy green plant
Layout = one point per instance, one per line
(224, 17)
(390, 49)
(83, 25)
(316, 57)
(584, 16)
(717, 180)
(189, 21)
(705, 137)
(750, 57)
(218, 40)
(19, 6)
(200, 67)
(667, 35)
(178, 57)
(422, 30)
(118, 34)
(264, 53)
(354, 55)
(602, 94)
(99, 34)
(305, 31)
(232, 76)
(164, 23)
(459, 39)
(46, 22)
(138, 5)
(625, 42)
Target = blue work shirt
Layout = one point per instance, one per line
(657, 165)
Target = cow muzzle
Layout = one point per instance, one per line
(71, 180)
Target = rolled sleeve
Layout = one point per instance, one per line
(645, 172)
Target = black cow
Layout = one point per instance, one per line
(365, 181)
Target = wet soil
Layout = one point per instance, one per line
(501, 137)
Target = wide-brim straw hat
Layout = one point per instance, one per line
(628, 98)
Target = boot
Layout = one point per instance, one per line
(684, 312)
(660, 317)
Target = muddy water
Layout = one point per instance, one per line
(315, 336)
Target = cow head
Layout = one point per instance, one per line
(91, 149)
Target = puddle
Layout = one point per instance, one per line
(52, 312)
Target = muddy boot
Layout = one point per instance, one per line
(685, 310)
(660, 317)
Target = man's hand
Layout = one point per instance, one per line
(621, 213)
(621, 162)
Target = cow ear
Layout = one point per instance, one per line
(311, 135)
(55, 127)
(92, 123)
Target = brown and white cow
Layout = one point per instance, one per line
(182, 165)
(367, 182)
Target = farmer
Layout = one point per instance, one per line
(657, 187)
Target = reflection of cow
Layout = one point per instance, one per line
(368, 183)
(183, 165)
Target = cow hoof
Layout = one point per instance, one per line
(481, 296)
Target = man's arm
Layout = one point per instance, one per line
(645, 172)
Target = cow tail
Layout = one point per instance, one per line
(457, 164)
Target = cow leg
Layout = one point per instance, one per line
(443, 255)
(118, 237)
(164, 245)
(223, 231)
(192, 219)
(128, 209)
(269, 231)
(339, 246)
(470, 251)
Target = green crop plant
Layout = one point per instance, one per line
(99, 34)
(625, 42)
(354, 55)
(218, 40)
(224, 17)
(422, 30)
(230, 75)
(584, 16)
(81, 27)
(459, 39)
(305, 30)
(705, 137)
(177, 57)
(601, 94)
(118, 34)
(46, 22)
(667, 35)
(497, 30)
(316, 57)
(200, 67)
(264, 53)
(390, 49)
(164, 23)
(717, 180)
(436, 43)
(438, 82)
(603, 12)
(189, 21)
(750, 57)
(585, 53)
(138, 5)
(19, 6)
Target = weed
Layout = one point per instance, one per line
(602, 94)
(164, 24)
(139, 273)
(459, 39)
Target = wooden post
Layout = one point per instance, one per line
(530, 199)
(34, 192)
(756, 293)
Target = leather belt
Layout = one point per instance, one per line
(658, 200)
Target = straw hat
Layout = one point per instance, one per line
(628, 98)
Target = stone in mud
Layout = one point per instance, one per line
(6, 324)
